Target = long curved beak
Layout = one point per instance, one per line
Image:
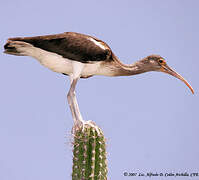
(166, 69)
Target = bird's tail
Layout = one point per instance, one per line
(16, 46)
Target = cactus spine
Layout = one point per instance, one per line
(89, 153)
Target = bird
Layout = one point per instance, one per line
(82, 56)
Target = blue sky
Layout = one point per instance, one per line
(150, 120)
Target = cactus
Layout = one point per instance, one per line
(89, 153)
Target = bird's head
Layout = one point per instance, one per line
(158, 63)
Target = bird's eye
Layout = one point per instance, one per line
(161, 61)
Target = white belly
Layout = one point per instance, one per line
(59, 64)
(52, 61)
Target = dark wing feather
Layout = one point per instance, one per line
(75, 46)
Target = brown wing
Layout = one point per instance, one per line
(74, 46)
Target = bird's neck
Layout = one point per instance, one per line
(129, 69)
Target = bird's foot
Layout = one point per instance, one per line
(92, 124)
(82, 125)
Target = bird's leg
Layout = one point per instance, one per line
(78, 120)
(77, 117)
(71, 105)
(76, 106)
(72, 100)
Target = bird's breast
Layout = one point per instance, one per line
(96, 68)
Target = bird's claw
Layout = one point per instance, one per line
(82, 125)
(92, 124)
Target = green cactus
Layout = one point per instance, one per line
(89, 153)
